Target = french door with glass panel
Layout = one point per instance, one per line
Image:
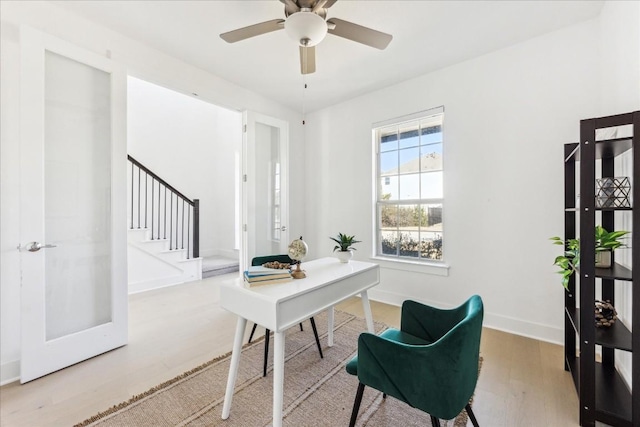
(73, 205)
(265, 210)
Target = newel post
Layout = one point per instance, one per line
(196, 228)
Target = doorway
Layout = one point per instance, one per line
(194, 146)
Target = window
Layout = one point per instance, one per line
(409, 186)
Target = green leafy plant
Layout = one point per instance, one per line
(344, 242)
(608, 241)
(570, 260)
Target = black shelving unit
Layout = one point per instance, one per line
(604, 396)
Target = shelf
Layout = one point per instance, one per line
(617, 272)
(617, 336)
(606, 149)
(614, 209)
(574, 370)
(610, 148)
(613, 398)
(600, 209)
(603, 394)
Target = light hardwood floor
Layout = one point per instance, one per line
(176, 329)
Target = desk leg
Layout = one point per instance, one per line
(331, 324)
(367, 311)
(233, 368)
(278, 378)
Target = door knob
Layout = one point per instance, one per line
(35, 246)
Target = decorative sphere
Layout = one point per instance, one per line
(298, 249)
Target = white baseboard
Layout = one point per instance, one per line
(9, 372)
(226, 253)
(149, 285)
(491, 320)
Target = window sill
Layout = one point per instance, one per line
(436, 269)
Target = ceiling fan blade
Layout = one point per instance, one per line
(290, 6)
(359, 34)
(329, 3)
(305, 3)
(319, 5)
(307, 59)
(252, 30)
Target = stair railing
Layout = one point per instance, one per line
(168, 213)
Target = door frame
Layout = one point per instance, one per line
(38, 356)
(247, 180)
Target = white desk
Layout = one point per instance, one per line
(280, 306)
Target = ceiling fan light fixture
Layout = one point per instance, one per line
(306, 26)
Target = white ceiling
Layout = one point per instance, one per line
(427, 35)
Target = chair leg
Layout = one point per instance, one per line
(472, 417)
(356, 405)
(301, 330)
(266, 352)
(315, 332)
(384, 395)
(253, 330)
(435, 422)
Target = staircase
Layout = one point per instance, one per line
(163, 235)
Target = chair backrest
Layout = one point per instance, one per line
(259, 260)
(459, 348)
(438, 378)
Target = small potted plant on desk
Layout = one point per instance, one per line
(344, 244)
(606, 242)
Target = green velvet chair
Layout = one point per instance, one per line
(431, 363)
(285, 260)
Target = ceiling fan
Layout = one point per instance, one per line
(306, 22)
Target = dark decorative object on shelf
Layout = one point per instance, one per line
(606, 314)
(613, 192)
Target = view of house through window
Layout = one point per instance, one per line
(409, 195)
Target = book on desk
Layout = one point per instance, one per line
(258, 276)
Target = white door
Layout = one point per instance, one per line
(265, 210)
(73, 205)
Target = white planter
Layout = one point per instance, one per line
(344, 256)
(603, 259)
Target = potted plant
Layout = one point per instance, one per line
(344, 244)
(606, 242)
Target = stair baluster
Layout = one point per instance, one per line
(141, 215)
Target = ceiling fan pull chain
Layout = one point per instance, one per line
(304, 90)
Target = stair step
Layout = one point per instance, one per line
(154, 246)
(175, 255)
(138, 234)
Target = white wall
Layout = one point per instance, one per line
(619, 58)
(142, 62)
(192, 145)
(507, 116)
(620, 93)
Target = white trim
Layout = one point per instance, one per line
(409, 117)
(538, 331)
(247, 189)
(153, 284)
(39, 357)
(425, 267)
(9, 372)
(378, 204)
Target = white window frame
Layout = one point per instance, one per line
(378, 254)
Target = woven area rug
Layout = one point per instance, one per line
(317, 392)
